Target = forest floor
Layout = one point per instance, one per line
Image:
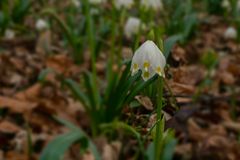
(207, 127)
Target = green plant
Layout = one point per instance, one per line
(87, 29)
(180, 19)
(58, 146)
(214, 6)
(13, 13)
(167, 145)
(109, 102)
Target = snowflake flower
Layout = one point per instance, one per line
(230, 33)
(9, 34)
(132, 26)
(154, 4)
(123, 3)
(41, 24)
(149, 59)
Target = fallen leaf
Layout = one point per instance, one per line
(145, 101)
(8, 127)
(16, 105)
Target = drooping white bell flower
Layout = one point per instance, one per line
(132, 26)
(152, 4)
(41, 25)
(123, 3)
(238, 5)
(149, 59)
(226, 4)
(230, 33)
(76, 3)
(9, 34)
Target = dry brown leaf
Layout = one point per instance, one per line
(29, 94)
(145, 101)
(179, 54)
(183, 149)
(62, 64)
(227, 78)
(166, 115)
(16, 156)
(44, 42)
(232, 125)
(195, 132)
(111, 151)
(16, 105)
(8, 127)
(88, 156)
(179, 88)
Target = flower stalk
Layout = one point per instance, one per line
(159, 129)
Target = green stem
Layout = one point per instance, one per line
(126, 127)
(158, 136)
(66, 30)
(91, 39)
(29, 140)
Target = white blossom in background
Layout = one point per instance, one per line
(230, 33)
(76, 3)
(154, 4)
(9, 34)
(238, 5)
(123, 3)
(41, 25)
(149, 59)
(132, 26)
(226, 4)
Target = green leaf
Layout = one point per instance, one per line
(170, 42)
(169, 145)
(150, 151)
(44, 73)
(189, 22)
(21, 8)
(168, 150)
(139, 87)
(56, 148)
(77, 92)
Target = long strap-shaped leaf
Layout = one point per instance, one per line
(77, 92)
(57, 147)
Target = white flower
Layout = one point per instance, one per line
(9, 34)
(132, 26)
(76, 3)
(123, 3)
(154, 4)
(41, 25)
(238, 5)
(230, 33)
(149, 59)
(226, 4)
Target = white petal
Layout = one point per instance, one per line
(149, 59)
(132, 26)
(9, 34)
(41, 24)
(230, 33)
(123, 3)
(154, 4)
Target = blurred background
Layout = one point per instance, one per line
(66, 91)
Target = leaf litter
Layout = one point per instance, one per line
(206, 128)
